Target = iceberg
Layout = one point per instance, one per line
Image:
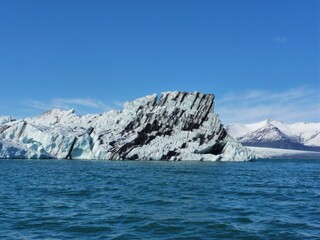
(174, 126)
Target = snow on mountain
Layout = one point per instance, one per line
(277, 134)
(177, 126)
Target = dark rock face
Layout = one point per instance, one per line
(177, 126)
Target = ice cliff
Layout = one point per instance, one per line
(175, 126)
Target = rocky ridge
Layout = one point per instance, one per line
(277, 134)
(175, 126)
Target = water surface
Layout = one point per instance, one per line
(68, 199)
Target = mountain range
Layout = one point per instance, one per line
(271, 134)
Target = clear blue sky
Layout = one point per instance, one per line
(260, 58)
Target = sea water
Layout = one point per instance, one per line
(81, 199)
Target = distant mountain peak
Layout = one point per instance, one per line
(277, 134)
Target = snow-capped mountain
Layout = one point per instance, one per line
(175, 126)
(277, 134)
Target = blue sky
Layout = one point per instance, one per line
(260, 58)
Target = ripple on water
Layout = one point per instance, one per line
(57, 199)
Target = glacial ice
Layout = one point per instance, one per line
(177, 126)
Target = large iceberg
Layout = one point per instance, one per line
(176, 126)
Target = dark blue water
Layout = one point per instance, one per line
(61, 199)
